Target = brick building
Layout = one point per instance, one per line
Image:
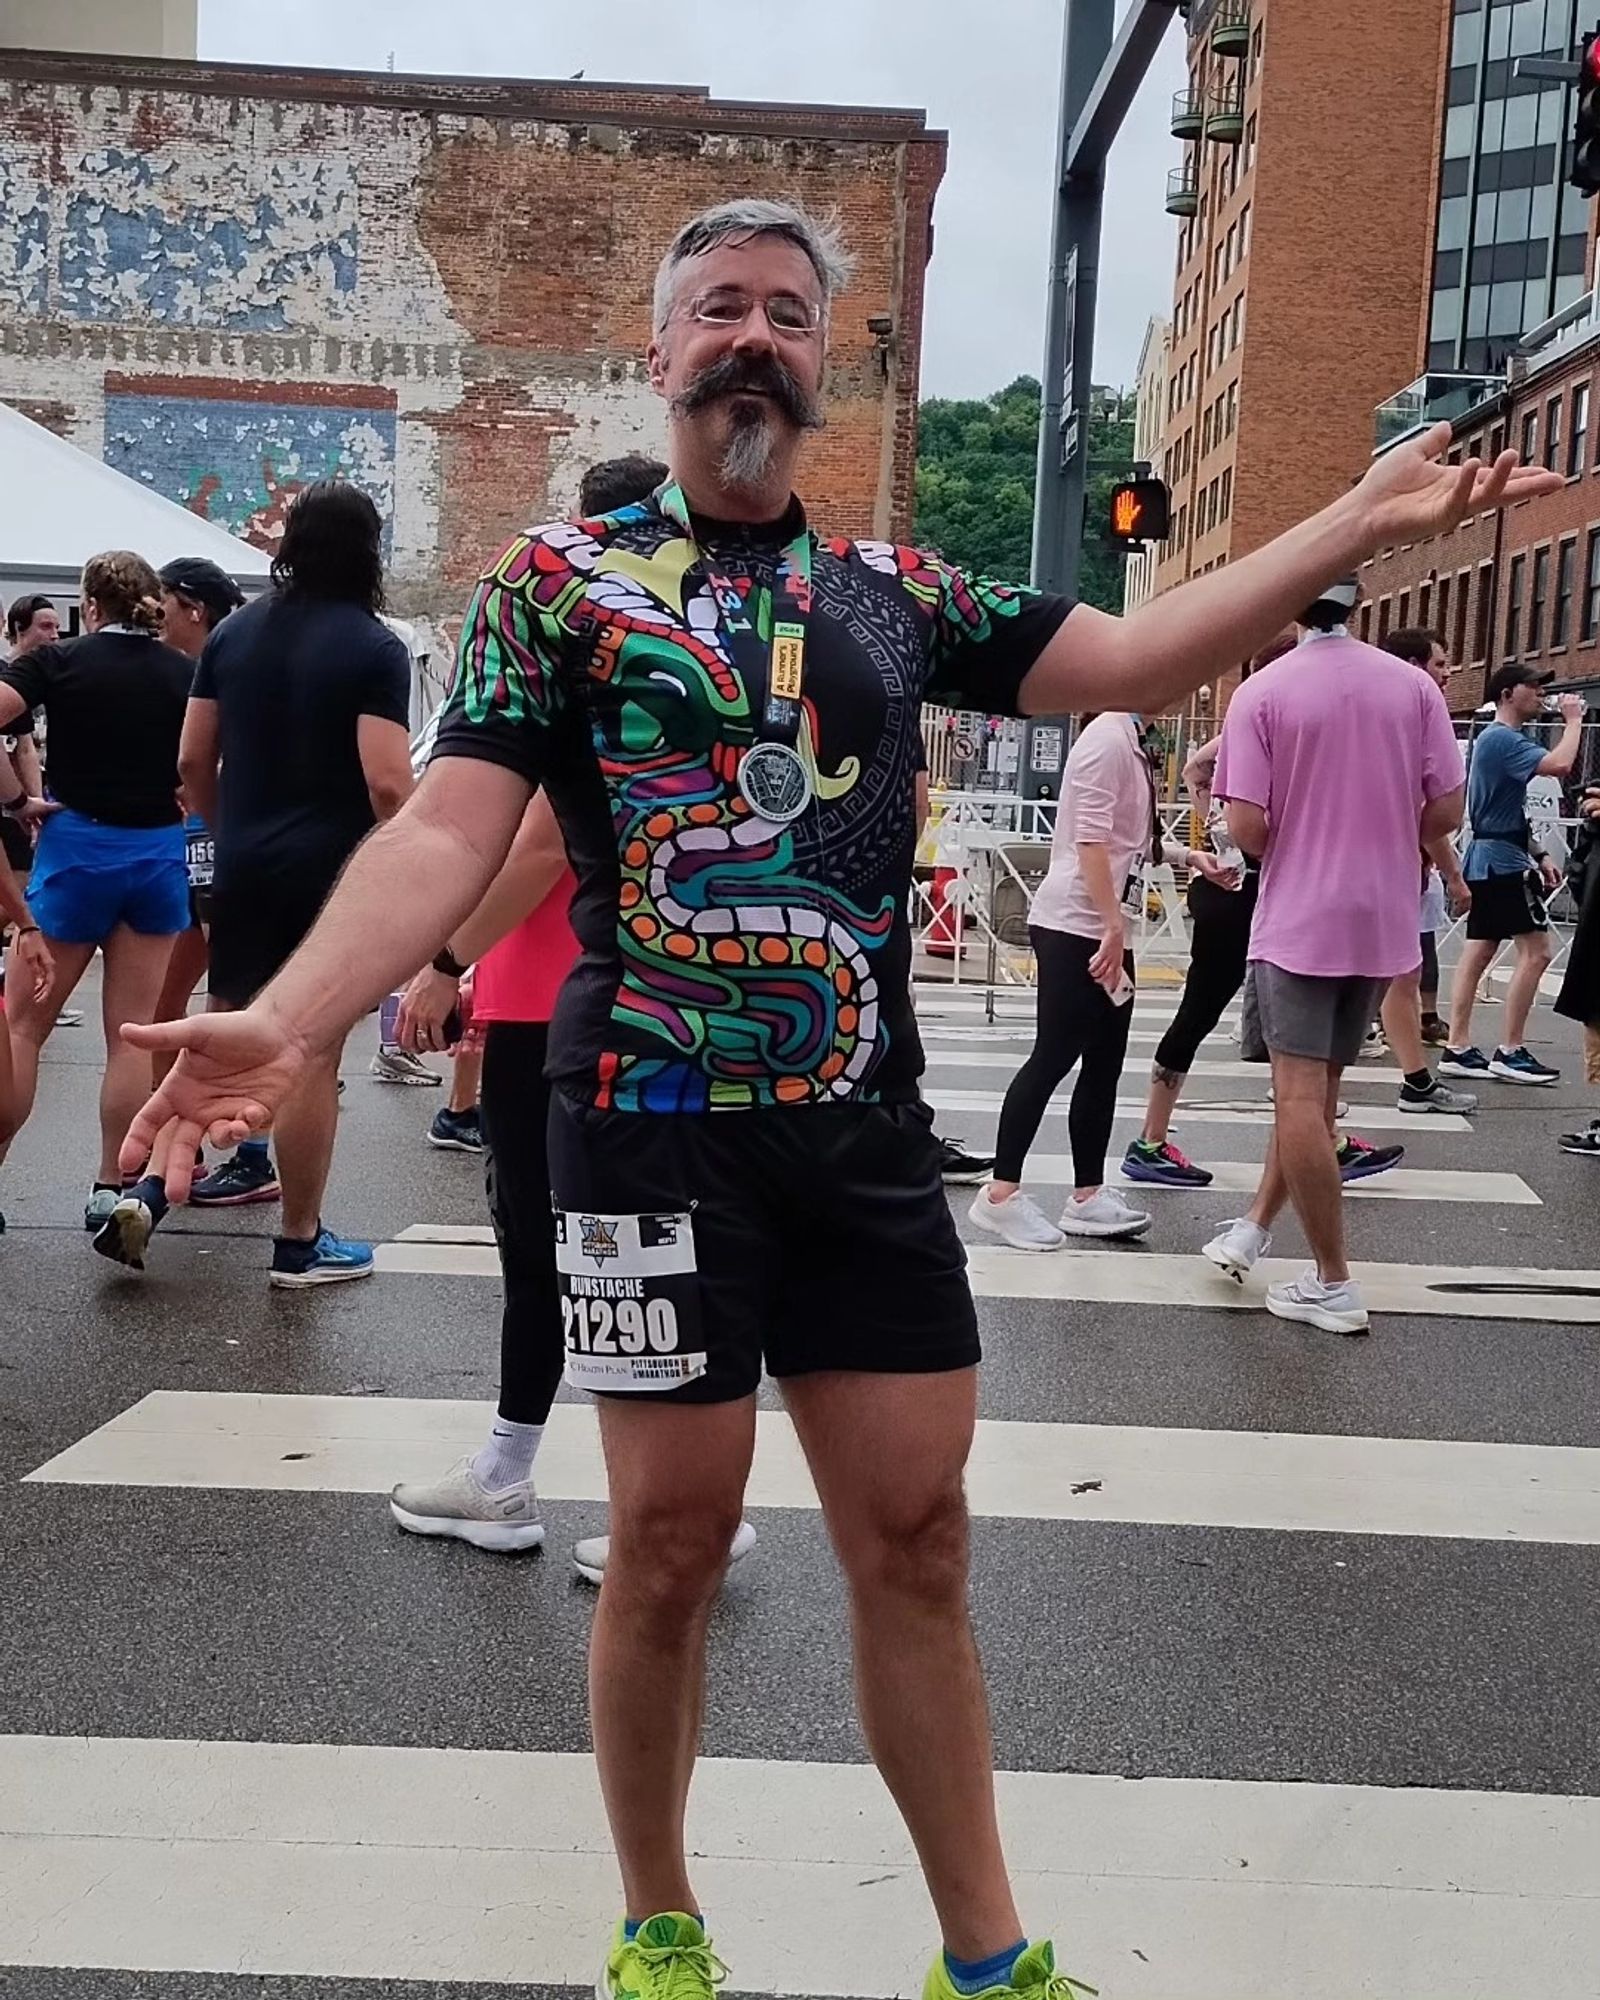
(227, 280)
(1524, 585)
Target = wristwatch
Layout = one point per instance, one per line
(15, 806)
(447, 963)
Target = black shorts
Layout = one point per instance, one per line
(1506, 906)
(16, 846)
(255, 930)
(808, 1237)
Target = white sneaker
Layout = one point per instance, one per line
(457, 1505)
(589, 1557)
(401, 1066)
(1333, 1308)
(1017, 1221)
(1238, 1248)
(1107, 1213)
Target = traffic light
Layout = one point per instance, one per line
(1141, 511)
(1585, 175)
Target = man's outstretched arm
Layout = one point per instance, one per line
(1155, 656)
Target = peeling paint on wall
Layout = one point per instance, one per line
(240, 459)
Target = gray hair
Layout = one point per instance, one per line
(738, 222)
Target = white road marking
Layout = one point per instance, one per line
(1133, 1473)
(1216, 1111)
(1259, 1073)
(307, 1860)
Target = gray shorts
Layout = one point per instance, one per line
(1293, 1014)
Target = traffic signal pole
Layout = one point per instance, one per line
(1099, 81)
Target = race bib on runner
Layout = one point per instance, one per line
(630, 1300)
(200, 852)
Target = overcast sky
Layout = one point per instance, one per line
(994, 91)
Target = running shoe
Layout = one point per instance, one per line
(959, 1168)
(1107, 1213)
(330, 1260)
(70, 1017)
(98, 1207)
(1359, 1159)
(242, 1178)
(590, 1556)
(1436, 1034)
(1034, 1975)
(1521, 1066)
(1332, 1308)
(1238, 1248)
(1586, 1145)
(125, 1234)
(1017, 1221)
(391, 1065)
(504, 1521)
(668, 1958)
(456, 1131)
(1463, 1062)
(1437, 1097)
(1162, 1164)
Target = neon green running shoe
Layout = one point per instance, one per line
(1034, 1974)
(668, 1958)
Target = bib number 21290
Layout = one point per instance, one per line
(630, 1300)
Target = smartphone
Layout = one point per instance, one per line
(1123, 991)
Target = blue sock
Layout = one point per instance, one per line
(152, 1191)
(972, 1975)
(255, 1149)
(631, 1925)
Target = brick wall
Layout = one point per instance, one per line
(228, 280)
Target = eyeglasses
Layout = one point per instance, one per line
(786, 312)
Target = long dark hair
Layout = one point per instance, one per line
(332, 545)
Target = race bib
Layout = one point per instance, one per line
(200, 852)
(630, 1300)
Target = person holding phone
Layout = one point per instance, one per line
(1579, 998)
(1107, 832)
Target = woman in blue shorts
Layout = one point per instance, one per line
(109, 872)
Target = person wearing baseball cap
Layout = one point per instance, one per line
(197, 595)
(1510, 881)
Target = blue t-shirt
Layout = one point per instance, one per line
(1503, 760)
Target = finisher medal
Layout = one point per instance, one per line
(775, 782)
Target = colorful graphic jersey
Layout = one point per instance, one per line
(727, 962)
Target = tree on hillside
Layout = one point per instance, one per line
(976, 463)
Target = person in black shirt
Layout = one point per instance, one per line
(294, 747)
(722, 706)
(31, 622)
(109, 871)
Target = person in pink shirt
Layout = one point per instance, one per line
(1337, 763)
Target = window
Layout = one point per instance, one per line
(1513, 646)
(1205, 433)
(1244, 232)
(1497, 441)
(1403, 610)
(1250, 142)
(1366, 622)
(1383, 621)
(1480, 637)
(1227, 492)
(1255, 50)
(1424, 602)
(1541, 593)
(1590, 627)
(1530, 437)
(1441, 610)
(1552, 433)
(1233, 407)
(1458, 650)
(1578, 442)
(1561, 618)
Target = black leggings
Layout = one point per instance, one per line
(515, 1112)
(1076, 1018)
(1218, 952)
(1429, 981)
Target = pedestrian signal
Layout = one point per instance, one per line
(1140, 512)
(1585, 175)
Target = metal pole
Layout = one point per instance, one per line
(1069, 322)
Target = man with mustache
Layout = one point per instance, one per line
(722, 705)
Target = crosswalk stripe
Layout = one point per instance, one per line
(1253, 1072)
(1398, 1184)
(360, 1861)
(1216, 1111)
(1287, 1481)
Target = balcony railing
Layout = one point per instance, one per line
(1431, 399)
(1225, 116)
(1188, 114)
(1230, 29)
(1183, 191)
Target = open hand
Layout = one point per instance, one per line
(34, 812)
(1214, 870)
(1410, 493)
(31, 954)
(231, 1078)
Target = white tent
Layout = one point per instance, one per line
(59, 506)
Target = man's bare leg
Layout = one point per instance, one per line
(1401, 1015)
(1305, 1098)
(887, 1453)
(304, 1131)
(1533, 961)
(677, 1475)
(1473, 963)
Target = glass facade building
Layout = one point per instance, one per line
(1511, 237)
